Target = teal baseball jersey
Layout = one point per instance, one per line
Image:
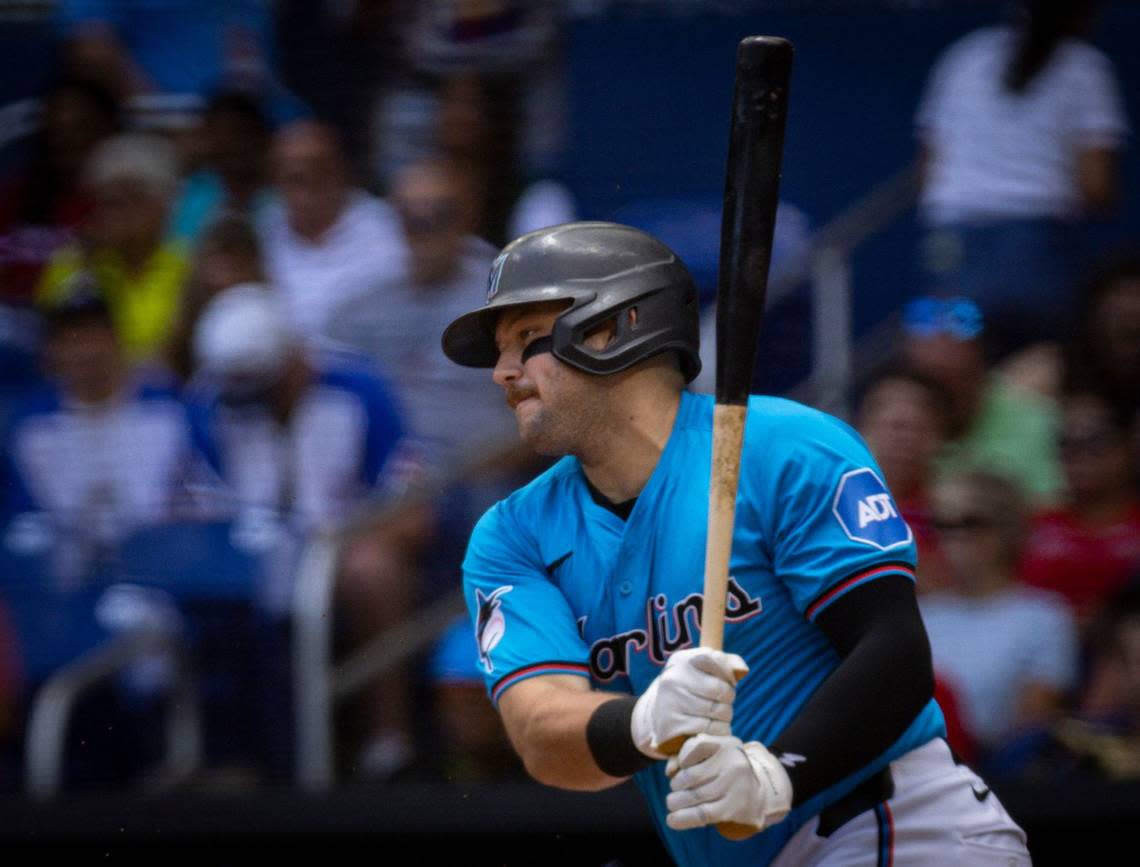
(558, 584)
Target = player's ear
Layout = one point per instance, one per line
(602, 335)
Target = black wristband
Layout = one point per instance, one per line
(610, 739)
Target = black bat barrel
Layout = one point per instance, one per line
(752, 186)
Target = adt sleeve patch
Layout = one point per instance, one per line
(864, 509)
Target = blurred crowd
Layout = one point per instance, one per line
(1008, 428)
(222, 307)
(222, 285)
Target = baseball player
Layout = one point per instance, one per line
(815, 728)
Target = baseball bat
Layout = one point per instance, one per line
(751, 192)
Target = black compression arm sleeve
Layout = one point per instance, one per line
(863, 707)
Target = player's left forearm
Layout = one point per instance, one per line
(546, 720)
(883, 682)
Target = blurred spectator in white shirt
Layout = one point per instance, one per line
(326, 241)
(1008, 651)
(454, 413)
(311, 439)
(103, 450)
(1021, 129)
(450, 408)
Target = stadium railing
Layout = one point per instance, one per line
(319, 683)
(55, 702)
(72, 640)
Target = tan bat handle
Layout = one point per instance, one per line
(728, 437)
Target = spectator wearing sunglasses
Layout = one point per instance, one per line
(1009, 651)
(1088, 546)
(992, 425)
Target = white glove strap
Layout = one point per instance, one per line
(773, 780)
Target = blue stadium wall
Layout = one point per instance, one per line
(649, 98)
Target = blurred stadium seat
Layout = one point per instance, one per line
(213, 574)
(78, 727)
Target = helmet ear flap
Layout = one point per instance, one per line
(654, 321)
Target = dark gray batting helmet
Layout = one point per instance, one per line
(603, 269)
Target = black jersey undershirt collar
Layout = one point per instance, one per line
(622, 510)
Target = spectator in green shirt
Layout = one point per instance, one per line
(994, 426)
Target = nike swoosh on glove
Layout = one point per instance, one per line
(718, 780)
(692, 695)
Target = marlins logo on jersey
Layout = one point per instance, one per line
(491, 624)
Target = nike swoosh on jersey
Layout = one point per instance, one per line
(550, 567)
(982, 793)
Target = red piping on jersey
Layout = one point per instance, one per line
(538, 668)
(886, 820)
(854, 581)
(890, 834)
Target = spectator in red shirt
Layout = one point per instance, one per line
(1087, 547)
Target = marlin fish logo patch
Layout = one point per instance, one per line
(490, 623)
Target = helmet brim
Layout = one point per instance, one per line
(470, 339)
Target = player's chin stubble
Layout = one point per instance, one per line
(537, 423)
(538, 430)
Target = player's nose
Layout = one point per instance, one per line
(507, 369)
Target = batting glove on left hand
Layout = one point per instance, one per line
(693, 694)
(720, 780)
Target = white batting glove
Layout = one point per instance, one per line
(692, 694)
(718, 780)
